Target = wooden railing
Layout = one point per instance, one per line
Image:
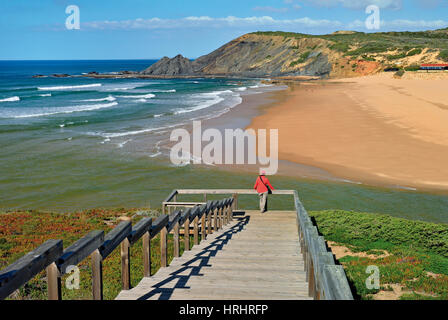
(326, 279)
(206, 218)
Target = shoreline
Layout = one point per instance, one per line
(334, 126)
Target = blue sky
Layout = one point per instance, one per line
(145, 29)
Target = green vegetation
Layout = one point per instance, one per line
(443, 55)
(342, 47)
(396, 56)
(414, 67)
(370, 47)
(303, 57)
(368, 58)
(400, 73)
(414, 52)
(410, 43)
(21, 232)
(411, 254)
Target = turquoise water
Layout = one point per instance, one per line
(76, 143)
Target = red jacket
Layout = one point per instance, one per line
(260, 186)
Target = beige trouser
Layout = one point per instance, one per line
(263, 201)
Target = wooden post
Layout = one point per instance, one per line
(187, 235)
(163, 248)
(204, 226)
(215, 223)
(125, 264)
(221, 218)
(97, 275)
(205, 197)
(196, 230)
(209, 221)
(54, 282)
(176, 251)
(311, 282)
(226, 214)
(235, 201)
(146, 254)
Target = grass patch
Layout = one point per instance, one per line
(417, 250)
(16, 240)
(443, 55)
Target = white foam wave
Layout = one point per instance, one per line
(45, 95)
(166, 91)
(261, 85)
(241, 89)
(121, 145)
(110, 135)
(108, 98)
(141, 96)
(84, 86)
(80, 108)
(213, 99)
(155, 154)
(12, 99)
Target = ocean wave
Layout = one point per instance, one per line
(141, 96)
(215, 93)
(213, 99)
(108, 98)
(163, 91)
(64, 110)
(94, 85)
(122, 144)
(12, 99)
(110, 135)
(261, 85)
(241, 89)
(45, 95)
(204, 105)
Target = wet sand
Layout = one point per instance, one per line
(375, 130)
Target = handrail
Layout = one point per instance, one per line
(326, 279)
(51, 257)
(20, 272)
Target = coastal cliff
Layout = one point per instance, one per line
(285, 54)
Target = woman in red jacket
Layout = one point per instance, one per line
(263, 187)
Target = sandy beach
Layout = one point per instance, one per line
(376, 130)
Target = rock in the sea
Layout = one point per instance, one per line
(63, 75)
(178, 65)
(39, 76)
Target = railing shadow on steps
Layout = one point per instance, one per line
(195, 264)
(326, 280)
(51, 257)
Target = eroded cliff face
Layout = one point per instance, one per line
(254, 56)
(338, 55)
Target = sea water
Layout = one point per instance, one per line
(75, 143)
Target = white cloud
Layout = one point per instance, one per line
(209, 22)
(304, 24)
(358, 4)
